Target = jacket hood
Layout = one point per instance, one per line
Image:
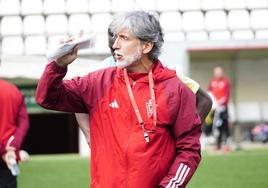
(160, 73)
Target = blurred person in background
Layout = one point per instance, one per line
(220, 88)
(144, 126)
(14, 123)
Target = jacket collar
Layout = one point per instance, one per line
(160, 73)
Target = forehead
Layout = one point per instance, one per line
(124, 31)
(218, 69)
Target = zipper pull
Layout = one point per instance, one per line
(146, 137)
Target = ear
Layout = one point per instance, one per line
(147, 47)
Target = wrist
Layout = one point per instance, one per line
(60, 63)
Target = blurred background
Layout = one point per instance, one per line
(199, 34)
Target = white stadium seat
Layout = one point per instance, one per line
(174, 36)
(196, 36)
(148, 5)
(243, 35)
(31, 7)
(52, 6)
(234, 4)
(10, 7)
(77, 6)
(220, 35)
(261, 34)
(99, 6)
(100, 22)
(238, 19)
(212, 4)
(171, 21)
(189, 5)
(216, 20)
(162, 5)
(35, 45)
(11, 25)
(257, 19)
(39, 25)
(193, 20)
(78, 23)
(12, 45)
(253, 4)
(56, 24)
(118, 6)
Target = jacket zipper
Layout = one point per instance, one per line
(127, 148)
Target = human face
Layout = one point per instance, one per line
(127, 49)
(218, 72)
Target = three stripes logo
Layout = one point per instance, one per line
(180, 176)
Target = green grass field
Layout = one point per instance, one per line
(241, 169)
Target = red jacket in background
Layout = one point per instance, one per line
(221, 89)
(120, 157)
(14, 120)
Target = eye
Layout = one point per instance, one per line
(124, 37)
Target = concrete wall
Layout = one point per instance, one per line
(252, 78)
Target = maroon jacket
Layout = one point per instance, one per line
(14, 120)
(120, 157)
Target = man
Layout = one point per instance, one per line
(203, 100)
(220, 87)
(144, 129)
(14, 123)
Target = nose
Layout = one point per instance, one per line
(116, 44)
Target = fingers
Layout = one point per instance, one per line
(9, 156)
(70, 39)
(10, 148)
(68, 58)
(24, 156)
(61, 41)
(75, 50)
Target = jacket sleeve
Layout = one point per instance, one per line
(187, 131)
(22, 126)
(57, 94)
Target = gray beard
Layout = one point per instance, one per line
(129, 60)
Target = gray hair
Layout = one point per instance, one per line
(144, 26)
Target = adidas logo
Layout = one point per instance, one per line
(114, 104)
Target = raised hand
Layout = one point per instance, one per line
(70, 57)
